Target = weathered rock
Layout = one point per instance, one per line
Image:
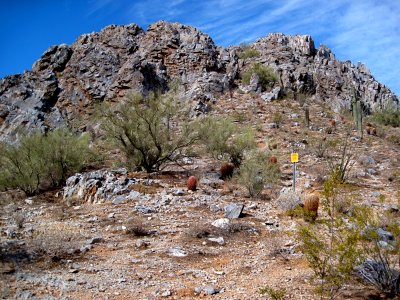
(68, 79)
(143, 209)
(221, 223)
(95, 240)
(99, 186)
(210, 290)
(385, 235)
(177, 252)
(233, 210)
(273, 95)
(219, 240)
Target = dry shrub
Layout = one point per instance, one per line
(137, 227)
(19, 219)
(207, 230)
(56, 240)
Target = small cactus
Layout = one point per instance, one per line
(307, 116)
(226, 170)
(273, 160)
(311, 204)
(192, 183)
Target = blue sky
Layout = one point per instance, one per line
(356, 30)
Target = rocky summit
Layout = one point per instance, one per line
(103, 66)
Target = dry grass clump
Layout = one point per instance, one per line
(200, 231)
(137, 227)
(56, 240)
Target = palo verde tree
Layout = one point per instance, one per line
(151, 130)
(40, 161)
(226, 140)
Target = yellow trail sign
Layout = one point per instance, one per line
(294, 157)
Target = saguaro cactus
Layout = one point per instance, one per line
(357, 113)
(307, 115)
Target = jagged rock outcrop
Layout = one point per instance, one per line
(303, 68)
(67, 80)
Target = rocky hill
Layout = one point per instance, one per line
(114, 233)
(103, 66)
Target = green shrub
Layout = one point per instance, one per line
(42, 161)
(387, 116)
(247, 52)
(224, 139)
(341, 160)
(381, 250)
(331, 249)
(274, 294)
(256, 171)
(364, 242)
(266, 75)
(151, 131)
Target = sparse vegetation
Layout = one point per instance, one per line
(290, 202)
(256, 171)
(341, 162)
(379, 264)
(246, 51)
(224, 139)
(274, 294)
(42, 161)
(389, 116)
(151, 130)
(266, 75)
(331, 250)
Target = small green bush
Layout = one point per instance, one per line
(224, 139)
(387, 116)
(247, 52)
(274, 294)
(43, 161)
(256, 171)
(331, 249)
(341, 160)
(266, 75)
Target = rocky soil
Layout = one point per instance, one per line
(114, 234)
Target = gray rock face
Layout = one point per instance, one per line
(233, 210)
(303, 68)
(99, 186)
(67, 80)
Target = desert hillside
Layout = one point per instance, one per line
(115, 226)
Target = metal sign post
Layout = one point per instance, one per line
(294, 157)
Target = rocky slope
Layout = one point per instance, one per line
(101, 66)
(114, 234)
